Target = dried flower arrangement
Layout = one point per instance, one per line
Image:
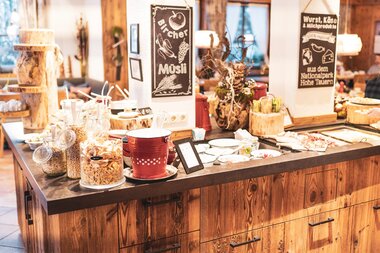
(234, 92)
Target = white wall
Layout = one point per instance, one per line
(138, 12)
(62, 17)
(284, 53)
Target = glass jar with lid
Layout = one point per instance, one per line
(101, 162)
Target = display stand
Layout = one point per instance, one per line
(36, 74)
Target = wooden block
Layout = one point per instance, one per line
(262, 124)
(357, 114)
(132, 123)
(39, 110)
(34, 48)
(36, 36)
(180, 134)
(317, 119)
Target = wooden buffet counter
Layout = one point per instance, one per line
(299, 202)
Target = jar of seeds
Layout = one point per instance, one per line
(51, 158)
(73, 152)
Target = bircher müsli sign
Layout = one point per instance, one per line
(171, 51)
(317, 50)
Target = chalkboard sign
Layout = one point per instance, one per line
(171, 51)
(317, 50)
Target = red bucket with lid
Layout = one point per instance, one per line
(149, 150)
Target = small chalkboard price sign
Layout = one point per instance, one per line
(188, 155)
(317, 50)
(172, 52)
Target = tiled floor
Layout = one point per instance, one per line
(10, 237)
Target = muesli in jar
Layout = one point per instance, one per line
(101, 161)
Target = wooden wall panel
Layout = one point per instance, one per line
(114, 13)
(363, 23)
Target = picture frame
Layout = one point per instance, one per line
(188, 155)
(136, 69)
(134, 38)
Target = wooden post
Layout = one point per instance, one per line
(36, 73)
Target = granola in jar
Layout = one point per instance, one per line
(101, 161)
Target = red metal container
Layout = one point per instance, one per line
(202, 118)
(149, 150)
(260, 90)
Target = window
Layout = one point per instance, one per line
(252, 21)
(8, 34)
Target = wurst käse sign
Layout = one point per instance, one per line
(317, 50)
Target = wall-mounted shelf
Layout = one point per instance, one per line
(26, 88)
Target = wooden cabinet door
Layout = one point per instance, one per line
(360, 181)
(308, 192)
(366, 227)
(326, 232)
(20, 183)
(186, 243)
(155, 218)
(234, 208)
(266, 240)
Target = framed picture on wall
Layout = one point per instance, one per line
(134, 39)
(136, 69)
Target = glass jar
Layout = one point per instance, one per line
(51, 158)
(101, 162)
(73, 152)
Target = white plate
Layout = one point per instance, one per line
(233, 158)
(224, 143)
(220, 151)
(205, 158)
(26, 137)
(102, 187)
(365, 101)
(201, 148)
(171, 171)
(265, 153)
(118, 132)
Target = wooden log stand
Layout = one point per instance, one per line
(262, 124)
(357, 114)
(36, 73)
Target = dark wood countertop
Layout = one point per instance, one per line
(61, 194)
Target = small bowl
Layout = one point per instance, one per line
(33, 144)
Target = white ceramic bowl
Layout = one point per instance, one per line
(33, 144)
